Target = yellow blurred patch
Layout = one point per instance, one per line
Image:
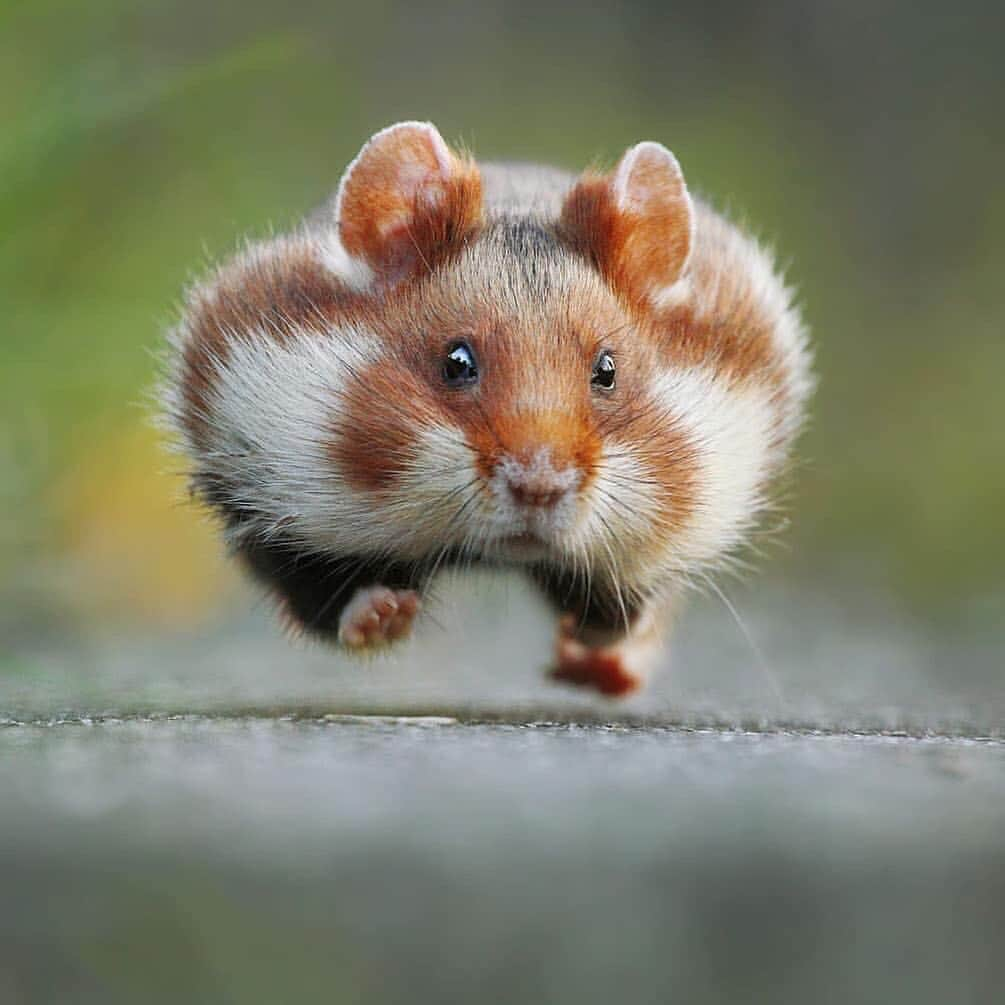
(137, 546)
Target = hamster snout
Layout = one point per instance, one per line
(533, 482)
(537, 486)
(534, 499)
(534, 493)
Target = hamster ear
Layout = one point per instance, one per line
(635, 224)
(406, 201)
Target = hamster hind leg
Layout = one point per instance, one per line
(614, 662)
(601, 644)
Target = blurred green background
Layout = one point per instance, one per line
(141, 140)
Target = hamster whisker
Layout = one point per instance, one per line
(759, 659)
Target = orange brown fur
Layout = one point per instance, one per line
(288, 292)
(374, 462)
(732, 332)
(728, 327)
(672, 458)
(281, 294)
(635, 252)
(405, 236)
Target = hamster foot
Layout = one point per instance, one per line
(604, 668)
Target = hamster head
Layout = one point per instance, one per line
(505, 407)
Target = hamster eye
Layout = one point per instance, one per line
(460, 367)
(603, 371)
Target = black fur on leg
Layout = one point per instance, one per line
(314, 587)
(597, 611)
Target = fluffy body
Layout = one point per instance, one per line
(307, 389)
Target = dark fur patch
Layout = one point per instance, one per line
(315, 588)
(594, 609)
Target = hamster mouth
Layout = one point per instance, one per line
(524, 539)
(524, 546)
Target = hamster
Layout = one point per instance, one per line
(594, 379)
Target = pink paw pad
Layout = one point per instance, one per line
(377, 615)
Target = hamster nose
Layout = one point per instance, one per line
(535, 490)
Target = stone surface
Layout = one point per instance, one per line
(401, 860)
(815, 815)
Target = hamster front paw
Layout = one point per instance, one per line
(377, 615)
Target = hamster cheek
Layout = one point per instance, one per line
(403, 459)
(442, 492)
(730, 429)
(374, 434)
(644, 490)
